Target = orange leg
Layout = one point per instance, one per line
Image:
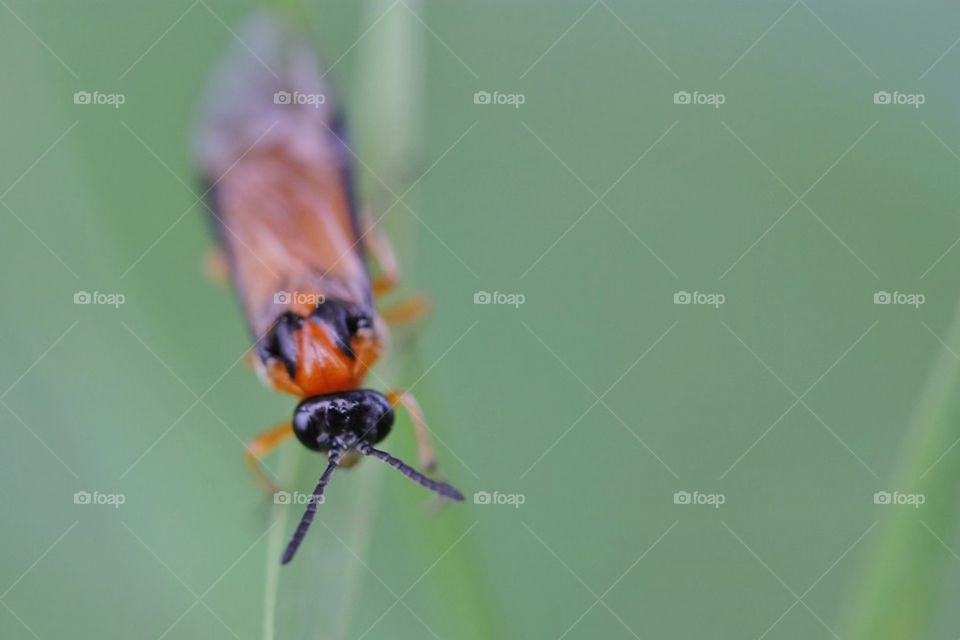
(216, 266)
(411, 311)
(379, 247)
(261, 446)
(384, 284)
(428, 459)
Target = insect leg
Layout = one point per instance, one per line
(261, 446)
(428, 459)
(375, 241)
(216, 266)
(410, 311)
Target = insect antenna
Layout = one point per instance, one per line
(442, 488)
(307, 518)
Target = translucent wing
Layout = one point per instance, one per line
(271, 150)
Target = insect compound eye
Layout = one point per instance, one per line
(310, 424)
(378, 416)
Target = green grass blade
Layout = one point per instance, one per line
(371, 539)
(896, 594)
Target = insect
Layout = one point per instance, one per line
(272, 150)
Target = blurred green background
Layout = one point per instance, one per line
(596, 400)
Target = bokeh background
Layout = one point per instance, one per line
(596, 400)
